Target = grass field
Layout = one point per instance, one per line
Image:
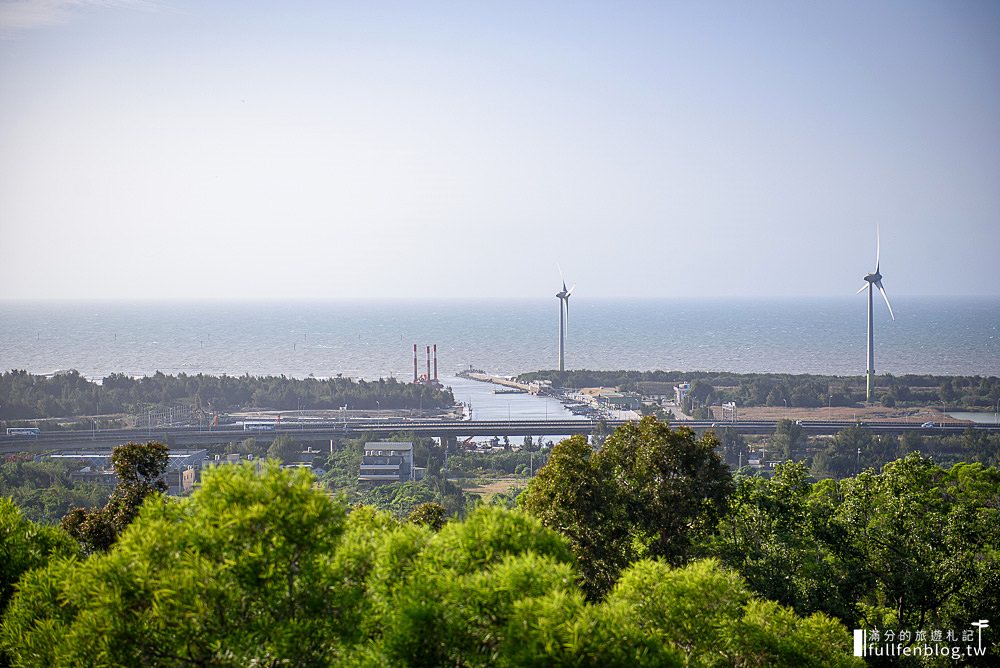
(487, 488)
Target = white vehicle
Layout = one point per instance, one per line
(928, 424)
(259, 426)
(23, 431)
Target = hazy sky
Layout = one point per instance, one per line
(162, 149)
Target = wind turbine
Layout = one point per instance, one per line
(873, 280)
(563, 296)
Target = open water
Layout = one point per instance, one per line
(375, 339)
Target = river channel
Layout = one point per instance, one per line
(487, 405)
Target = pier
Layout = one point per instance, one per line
(499, 380)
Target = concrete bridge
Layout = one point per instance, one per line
(447, 429)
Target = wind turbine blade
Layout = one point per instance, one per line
(571, 290)
(878, 248)
(862, 288)
(886, 298)
(561, 278)
(566, 302)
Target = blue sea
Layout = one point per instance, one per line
(375, 339)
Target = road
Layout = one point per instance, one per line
(330, 430)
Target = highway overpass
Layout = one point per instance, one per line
(375, 428)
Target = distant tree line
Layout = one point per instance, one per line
(495, 463)
(800, 390)
(28, 396)
(337, 470)
(856, 449)
(45, 490)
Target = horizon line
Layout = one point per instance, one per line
(423, 299)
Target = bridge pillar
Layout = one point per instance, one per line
(449, 442)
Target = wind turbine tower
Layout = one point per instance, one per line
(563, 296)
(872, 281)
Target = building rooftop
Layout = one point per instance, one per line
(389, 445)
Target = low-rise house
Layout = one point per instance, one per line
(386, 461)
(183, 467)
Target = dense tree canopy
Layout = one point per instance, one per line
(266, 570)
(429, 514)
(139, 468)
(911, 546)
(647, 492)
(25, 545)
(45, 490)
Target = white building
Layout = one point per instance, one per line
(386, 461)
